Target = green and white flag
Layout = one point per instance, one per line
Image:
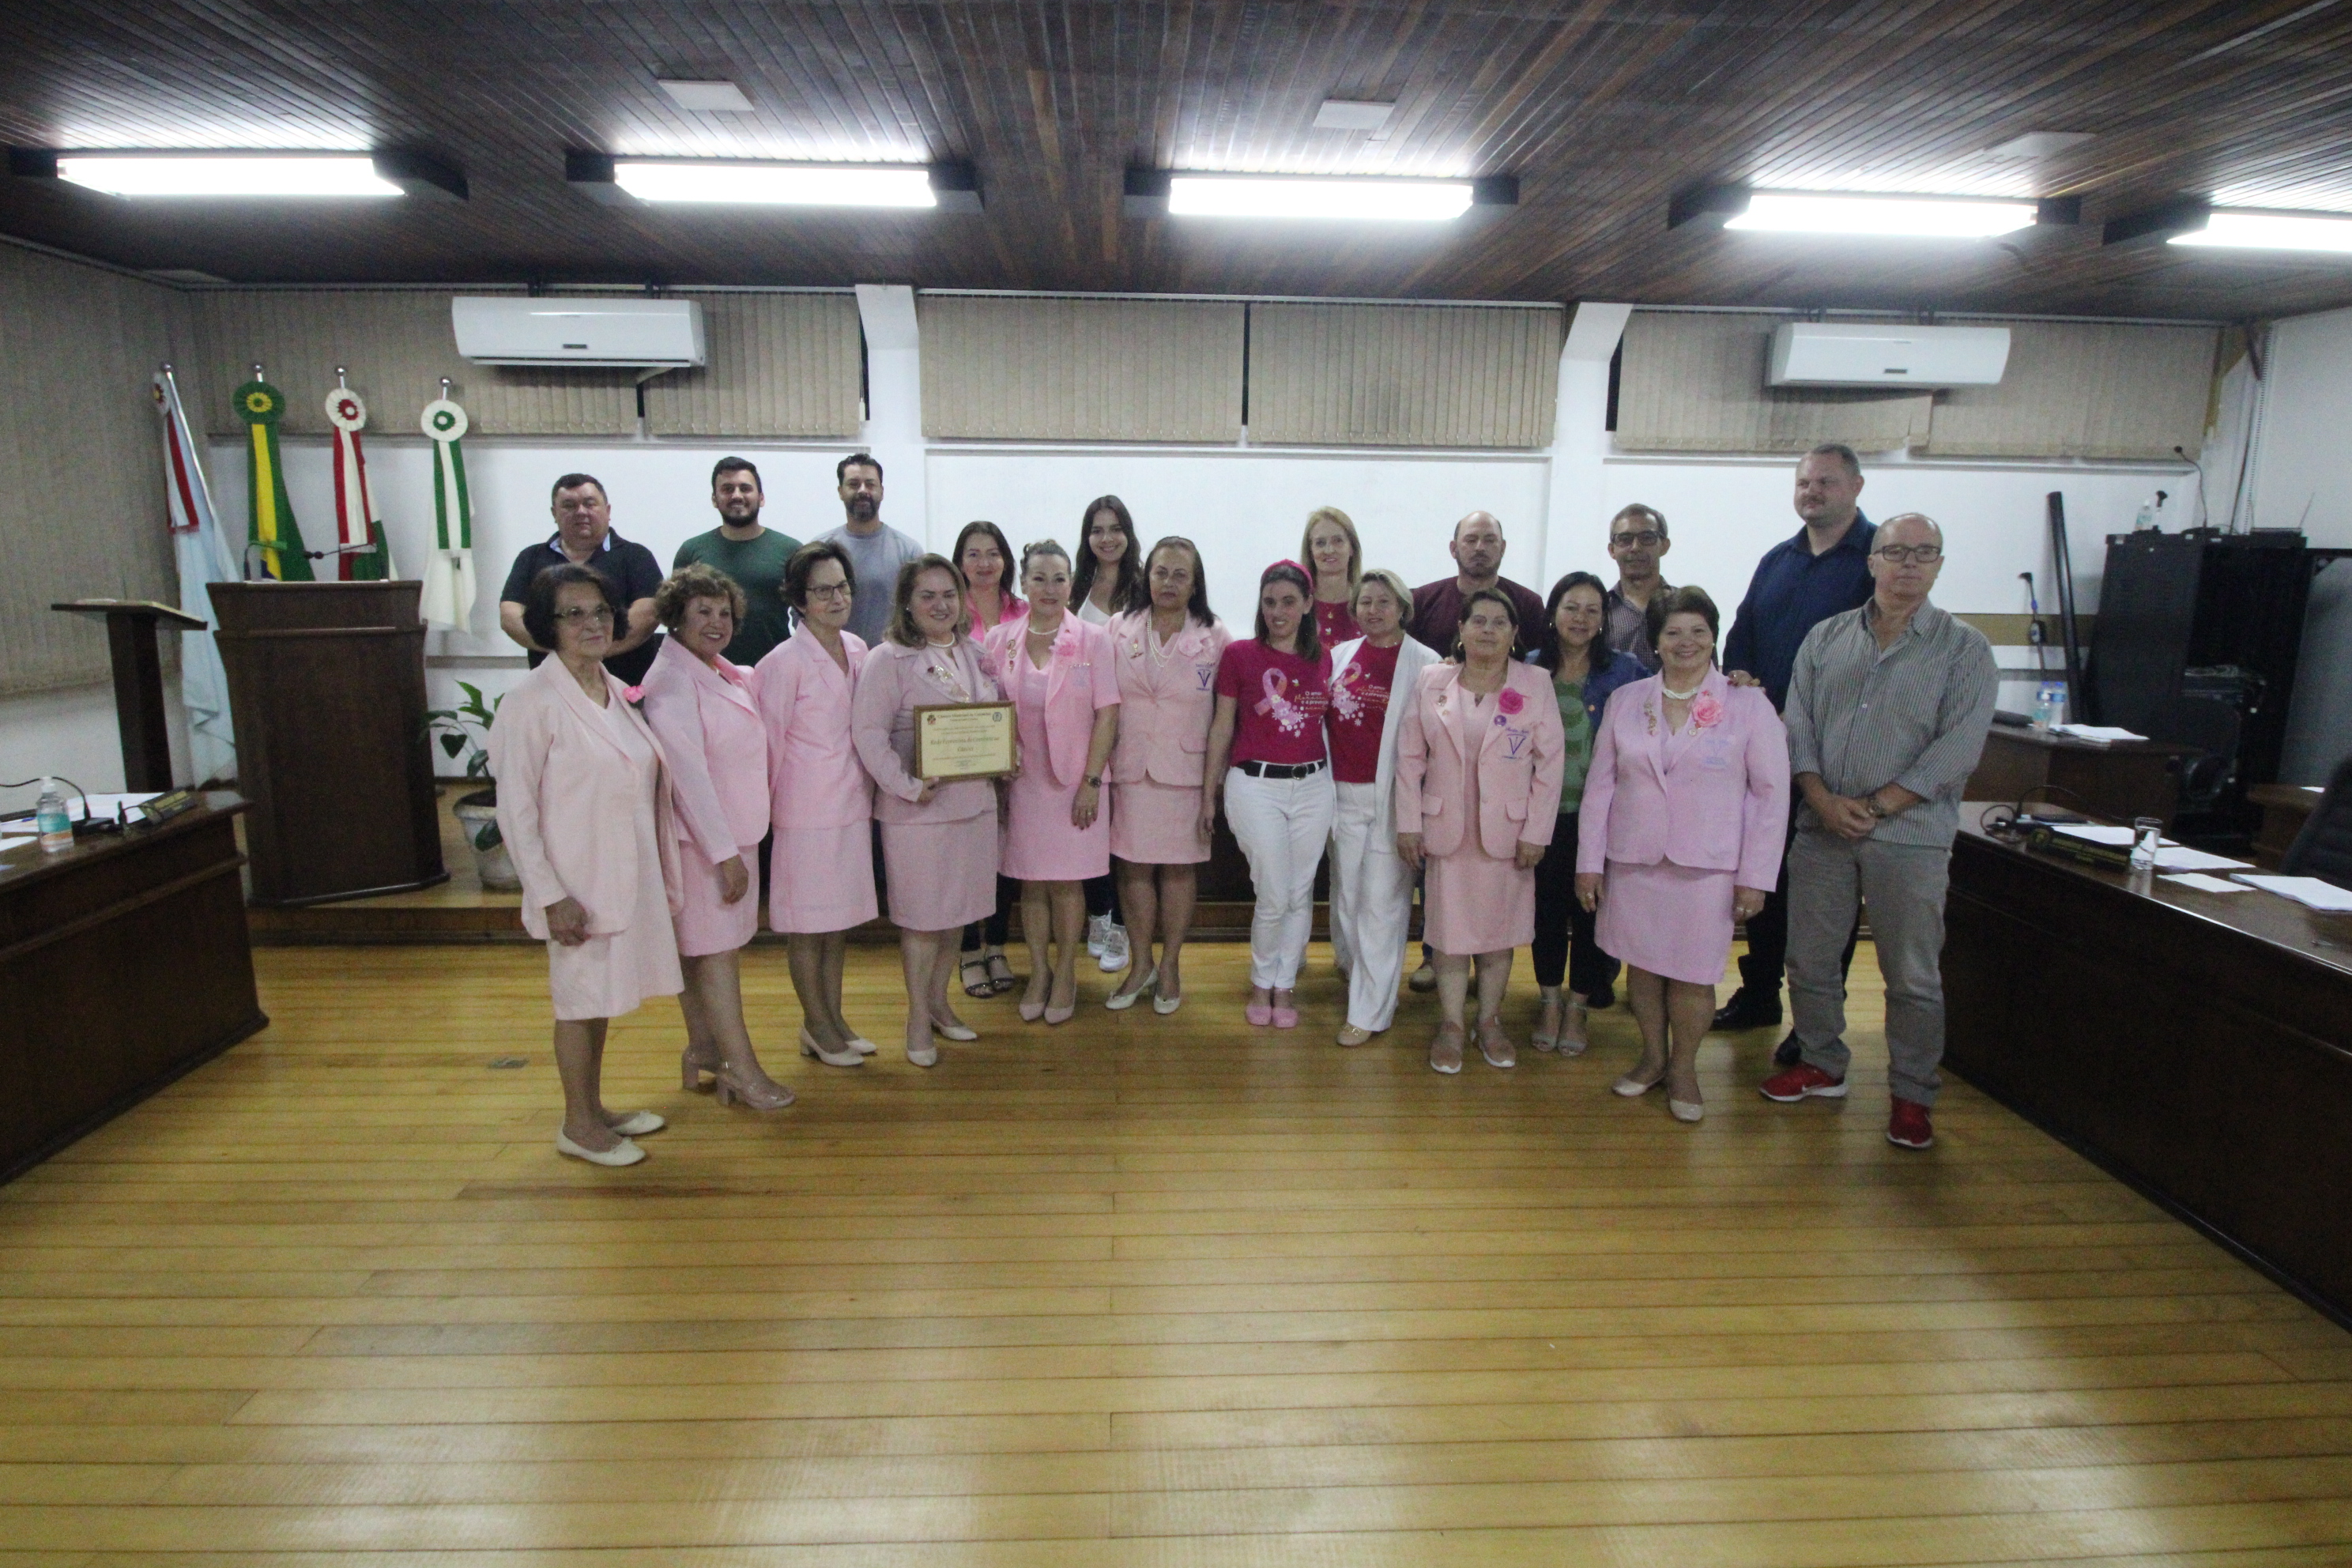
(449, 588)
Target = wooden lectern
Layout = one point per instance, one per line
(327, 684)
(138, 682)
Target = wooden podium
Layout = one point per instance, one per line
(327, 684)
(138, 682)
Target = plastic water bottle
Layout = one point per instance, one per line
(49, 816)
(2049, 705)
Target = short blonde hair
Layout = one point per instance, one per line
(1345, 524)
(697, 581)
(1381, 577)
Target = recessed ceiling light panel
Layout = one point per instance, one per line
(775, 185)
(1373, 198)
(707, 97)
(262, 174)
(1916, 217)
(2273, 231)
(2039, 144)
(1352, 114)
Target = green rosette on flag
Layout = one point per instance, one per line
(261, 405)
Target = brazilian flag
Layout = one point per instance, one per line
(261, 405)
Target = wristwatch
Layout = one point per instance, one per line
(1094, 781)
(1877, 810)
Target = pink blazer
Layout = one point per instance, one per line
(1515, 746)
(1714, 797)
(814, 776)
(568, 802)
(1164, 704)
(708, 725)
(1080, 682)
(891, 684)
(1009, 606)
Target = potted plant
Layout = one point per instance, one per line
(464, 730)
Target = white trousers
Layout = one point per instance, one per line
(1281, 825)
(1372, 906)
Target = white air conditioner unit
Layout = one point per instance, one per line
(635, 333)
(1824, 353)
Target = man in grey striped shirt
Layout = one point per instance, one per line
(1888, 711)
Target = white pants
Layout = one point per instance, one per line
(1372, 906)
(1281, 825)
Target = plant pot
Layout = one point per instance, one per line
(479, 812)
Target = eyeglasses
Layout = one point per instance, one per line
(1646, 538)
(1905, 554)
(829, 591)
(585, 612)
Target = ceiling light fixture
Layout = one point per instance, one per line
(775, 185)
(2238, 230)
(1372, 198)
(2036, 144)
(1905, 217)
(707, 97)
(269, 176)
(1352, 114)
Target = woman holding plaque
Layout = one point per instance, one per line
(939, 836)
(1166, 655)
(821, 877)
(1056, 671)
(702, 710)
(986, 559)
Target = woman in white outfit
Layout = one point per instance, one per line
(1371, 888)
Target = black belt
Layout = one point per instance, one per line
(1281, 770)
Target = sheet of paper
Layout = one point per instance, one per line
(2096, 832)
(2178, 859)
(2205, 884)
(2308, 892)
(2102, 734)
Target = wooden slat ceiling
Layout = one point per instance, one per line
(1603, 109)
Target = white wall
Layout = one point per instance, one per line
(73, 734)
(2302, 477)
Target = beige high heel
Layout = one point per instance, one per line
(690, 1068)
(848, 1056)
(729, 1088)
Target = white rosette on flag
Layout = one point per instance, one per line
(365, 554)
(449, 588)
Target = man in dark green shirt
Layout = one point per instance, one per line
(752, 555)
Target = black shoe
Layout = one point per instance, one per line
(1748, 1010)
(1601, 999)
(1788, 1052)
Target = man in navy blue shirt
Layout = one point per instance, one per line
(1825, 571)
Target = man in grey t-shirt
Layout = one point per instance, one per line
(875, 550)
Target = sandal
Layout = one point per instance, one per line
(973, 971)
(1001, 978)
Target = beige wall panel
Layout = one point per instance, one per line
(1403, 375)
(2085, 389)
(1691, 382)
(397, 345)
(1081, 370)
(781, 364)
(82, 512)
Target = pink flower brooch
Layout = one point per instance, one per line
(1707, 712)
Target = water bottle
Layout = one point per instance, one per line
(2145, 521)
(49, 816)
(2049, 705)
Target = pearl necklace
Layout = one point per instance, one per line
(1674, 696)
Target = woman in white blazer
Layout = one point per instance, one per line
(1371, 888)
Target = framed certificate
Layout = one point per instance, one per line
(963, 741)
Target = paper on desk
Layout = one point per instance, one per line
(2098, 833)
(2178, 859)
(2308, 892)
(2097, 734)
(102, 805)
(2205, 884)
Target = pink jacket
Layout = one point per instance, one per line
(1080, 682)
(814, 776)
(568, 802)
(1714, 797)
(1009, 606)
(1164, 704)
(891, 684)
(1515, 743)
(708, 725)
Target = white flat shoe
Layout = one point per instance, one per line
(638, 1123)
(622, 1154)
(1121, 1001)
(925, 1056)
(866, 1047)
(1633, 1088)
(847, 1055)
(1687, 1110)
(1163, 1006)
(962, 1034)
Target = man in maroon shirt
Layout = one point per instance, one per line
(1477, 552)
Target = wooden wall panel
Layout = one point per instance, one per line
(1081, 370)
(2085, 389)
(1403, 375)
(780, 365)
(1693, 382)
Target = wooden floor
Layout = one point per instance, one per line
(1137, 1290)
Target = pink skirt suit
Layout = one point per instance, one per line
(1476, 776)
(1167, 696)
(821, 869)
(587, 813)
(939, 859)
(1676, 820)
(1055, 706)
(708, 721)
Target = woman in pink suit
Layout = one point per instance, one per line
(1478, 791)
(986, 559)
(939, 839)
(1056, 671)
(1167, 659)
(1685, 811)
(702, 711)
(821, 871)
(586, 808)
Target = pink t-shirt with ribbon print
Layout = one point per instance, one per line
(1279, 701)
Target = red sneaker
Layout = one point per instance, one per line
(1802, 1081)
(1908, 1127)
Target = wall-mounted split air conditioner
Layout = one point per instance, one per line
(1825, 354)
(629, 332)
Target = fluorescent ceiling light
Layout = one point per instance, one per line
(225, 175)
(1926, 217)
(707, 97)
(2039, 144)
(776, 185)
(2272, 231)
(1378, 198)
(1351, 114)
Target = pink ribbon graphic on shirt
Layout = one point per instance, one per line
(1281, 708)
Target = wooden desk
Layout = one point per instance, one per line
(2127, 779)
(2197, 1044)
(125, 963)
(2286, 809)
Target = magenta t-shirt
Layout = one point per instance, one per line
(1278, 698)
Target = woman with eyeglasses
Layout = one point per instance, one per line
(821, 877)
(585, 807)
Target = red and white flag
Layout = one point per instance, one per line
(363, 555)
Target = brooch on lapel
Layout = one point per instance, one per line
(1707, 713)
(1507, 703)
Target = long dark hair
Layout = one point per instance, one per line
(1197, 606)
(1130, 594)
(1547, 652)
(1291, 572)
(1008, 575)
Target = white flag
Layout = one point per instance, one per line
(204, 558)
